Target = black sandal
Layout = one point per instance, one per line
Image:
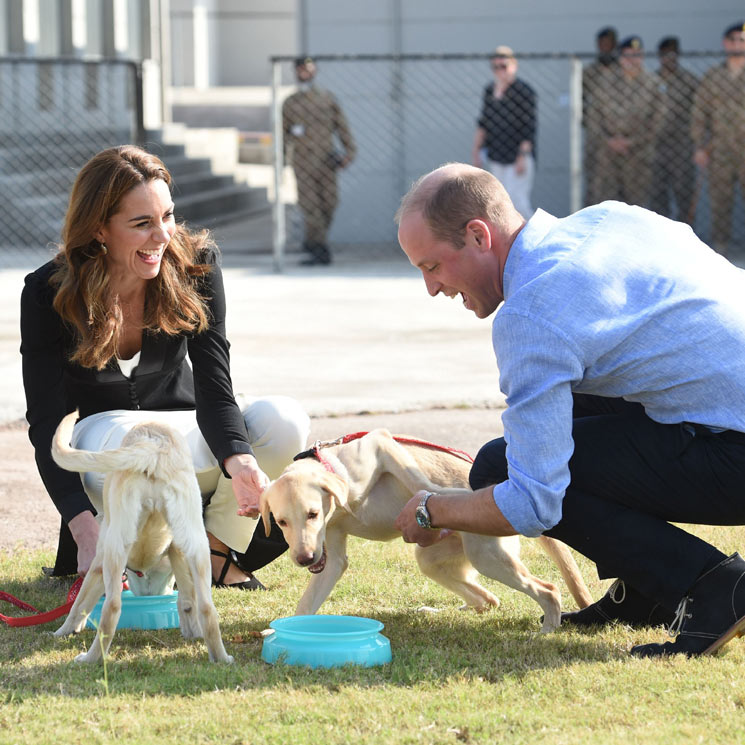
(230, 558)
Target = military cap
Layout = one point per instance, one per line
(735, 28)
(632, 42)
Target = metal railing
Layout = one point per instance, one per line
(54, 115)
(408, 114)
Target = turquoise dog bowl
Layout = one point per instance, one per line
(326, 641)
(142, 612)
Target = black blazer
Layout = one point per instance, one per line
(163, 380)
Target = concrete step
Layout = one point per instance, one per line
(211, 207)
(194, 183)
(182, 165)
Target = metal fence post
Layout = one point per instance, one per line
(279, 238)
(575, 134)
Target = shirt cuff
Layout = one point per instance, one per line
(517, 512)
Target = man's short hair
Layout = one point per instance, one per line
(303, 61)
(450, 203)
(669, 44)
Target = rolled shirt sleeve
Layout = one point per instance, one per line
(538, 366)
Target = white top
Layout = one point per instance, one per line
(127, 366)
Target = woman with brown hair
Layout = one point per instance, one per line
(127, 323)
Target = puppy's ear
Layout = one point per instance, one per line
(265, 511)
(339, 491)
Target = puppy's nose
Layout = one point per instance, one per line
(304, 559)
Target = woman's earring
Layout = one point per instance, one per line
(104, 250)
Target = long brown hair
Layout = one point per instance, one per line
(84, 298)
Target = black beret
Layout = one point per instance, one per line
(734, 28)
(632, 42)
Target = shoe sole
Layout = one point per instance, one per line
(735, 631)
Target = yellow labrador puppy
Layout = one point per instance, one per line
(152, 513)
(360, 486)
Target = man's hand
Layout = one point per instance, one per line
(619, 144)
(248, 482)
(84, 528)
(410, 529)
(701, 158)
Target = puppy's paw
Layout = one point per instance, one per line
(86, 657)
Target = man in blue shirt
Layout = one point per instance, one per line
(621, 350)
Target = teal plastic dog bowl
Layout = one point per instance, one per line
(326, 641)
(142, 612)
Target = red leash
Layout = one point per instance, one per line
(315, 451)
(38, 617)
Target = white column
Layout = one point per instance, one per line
(23, 27)
(73, 29)
(203, 42)
(115, 28)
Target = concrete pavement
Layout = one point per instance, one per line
(348, 338)
(356, 336)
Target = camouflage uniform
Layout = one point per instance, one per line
(718, 126)
(673, 170)
(595, 80)
(633, 108)
(310, 118)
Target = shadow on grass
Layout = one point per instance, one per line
(427, 648)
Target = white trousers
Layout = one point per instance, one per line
(277, 427)
(517, 185)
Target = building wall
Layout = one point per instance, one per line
(425, 26)
(243, 35)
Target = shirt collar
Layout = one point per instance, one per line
(533, 232)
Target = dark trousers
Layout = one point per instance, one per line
(630, 478)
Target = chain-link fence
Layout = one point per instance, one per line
(351, 152)
(54, 115)
(349, 143)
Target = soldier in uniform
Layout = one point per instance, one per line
(627, 116)
(674, 172)
(595, 80)
(311, 118)
(718, 131)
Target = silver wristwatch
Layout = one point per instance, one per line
(422, 514)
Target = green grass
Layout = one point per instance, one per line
(456, 676)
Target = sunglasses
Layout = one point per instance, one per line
(499, 66)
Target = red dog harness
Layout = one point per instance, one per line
(315, 451)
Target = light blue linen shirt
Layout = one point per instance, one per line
(613, 301)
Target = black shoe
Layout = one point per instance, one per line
(316, 261)
(622, 604)
(709, 615)
(230, 558)
(319, 254)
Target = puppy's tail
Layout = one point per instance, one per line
(142, 458)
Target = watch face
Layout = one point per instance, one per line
(422, 516)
